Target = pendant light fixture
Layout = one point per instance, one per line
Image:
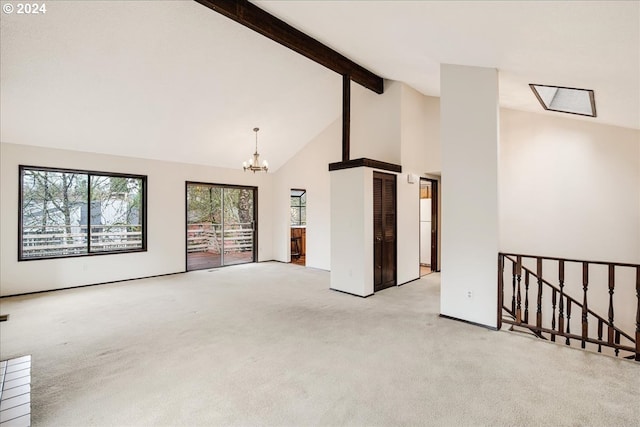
(254, 162)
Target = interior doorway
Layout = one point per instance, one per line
(384, 231)
(428, 226)
(298, 226)
(221, 225)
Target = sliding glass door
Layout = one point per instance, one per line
(221, 225)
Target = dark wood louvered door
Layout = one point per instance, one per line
(384, 230)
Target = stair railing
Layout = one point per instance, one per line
(525, 306)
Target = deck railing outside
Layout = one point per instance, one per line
(209, 237)
(72, 239)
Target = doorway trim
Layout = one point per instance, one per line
(301, 244)
(435, 218)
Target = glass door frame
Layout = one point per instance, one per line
(254, 249)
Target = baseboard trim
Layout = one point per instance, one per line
(291, 263)
(409, 281)
(92, 284)
(349, 293)
(136, 278)
(492, 328)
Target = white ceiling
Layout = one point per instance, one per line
(173, 80)
(584, 44)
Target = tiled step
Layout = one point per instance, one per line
(15, 392)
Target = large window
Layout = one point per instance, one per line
(72, 213)
(298, 207)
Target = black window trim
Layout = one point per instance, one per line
(231, 186)
(89, 173)
(299, 207)
(590, 92)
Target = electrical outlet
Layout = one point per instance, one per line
(469, 294)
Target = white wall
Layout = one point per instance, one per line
(375, 123)
(349, 190)
(390, 128)
(420, 132)
(562, 163)
(421, 147)
(433, 159)
(398, 130)
(309, 170)
(569, 188)
(165, 219)
(469, 132)
(352, 231)
(416, 127)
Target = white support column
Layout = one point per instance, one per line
(352, 231)
(470, 238)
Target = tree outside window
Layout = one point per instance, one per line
(71, 213)
(298, 207)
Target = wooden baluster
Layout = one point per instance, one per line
(585, 312)
(617, 341)
(638, 314)
(600, 323)
(568, 342)
(513, 285)
(553, 315)
(561, 302)
(612, 279)
(526, 296)
(519, 297)
(500, 288)
(539, 310)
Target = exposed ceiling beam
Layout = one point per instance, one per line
(251, 16)
(346, 118)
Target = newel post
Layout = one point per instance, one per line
(500, 290)
(638, 314)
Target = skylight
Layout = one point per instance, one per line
(566, 99)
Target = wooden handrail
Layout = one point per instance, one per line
(580, 261)
(560, 300)
(573, 300)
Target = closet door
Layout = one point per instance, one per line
(384, 230)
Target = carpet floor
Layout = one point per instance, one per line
(270, 344)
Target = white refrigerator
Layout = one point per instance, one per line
(425, 231)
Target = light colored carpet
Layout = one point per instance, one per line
(270, 344)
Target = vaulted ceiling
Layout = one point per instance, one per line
(173, 80)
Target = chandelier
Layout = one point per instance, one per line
(254, 162)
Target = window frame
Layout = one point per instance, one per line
(589, 92)
(89, 174)
(299, 208)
